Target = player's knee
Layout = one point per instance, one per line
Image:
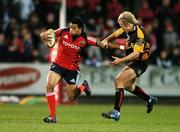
(118, 82)
(49, 86)
(131, 87)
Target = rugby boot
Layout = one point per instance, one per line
(87, 89)
(114, 114)
(49, 119)
(150, 103)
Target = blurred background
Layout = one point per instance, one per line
(25, 60)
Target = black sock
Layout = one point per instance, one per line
(140, 93)
(118, 98)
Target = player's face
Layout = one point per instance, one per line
(127, 27)
(74, 29)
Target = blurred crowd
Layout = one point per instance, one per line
(21, 22)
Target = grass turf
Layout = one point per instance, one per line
(87, 118)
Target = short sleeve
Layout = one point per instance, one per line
(58, 31)
(118, 32)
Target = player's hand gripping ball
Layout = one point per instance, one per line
(52, 38)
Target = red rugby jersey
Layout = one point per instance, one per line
(69, 48)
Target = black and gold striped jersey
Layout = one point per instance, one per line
(136, 42)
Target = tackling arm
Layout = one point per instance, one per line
(106, 43)
(109, 46)
(112, 36)
(116, 46)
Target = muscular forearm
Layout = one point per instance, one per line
(115, 46)
(108, 38)
(130, 57)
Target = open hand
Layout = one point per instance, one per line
(116, 61)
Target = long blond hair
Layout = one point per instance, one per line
(128, 17)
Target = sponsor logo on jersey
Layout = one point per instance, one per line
(71, 45)
(18, 77)
(81, 42)
(65, 36)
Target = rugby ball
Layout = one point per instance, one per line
(52, 38)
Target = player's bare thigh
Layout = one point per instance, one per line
(71, 89)
(52, 80)
(124, 78)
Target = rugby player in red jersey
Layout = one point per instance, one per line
(71, 41)
(137, 54)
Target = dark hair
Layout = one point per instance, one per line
(77, 20)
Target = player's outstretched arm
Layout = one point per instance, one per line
(115, 34)
(102, 45)
(105, 41)
(95, 42)
(111, 45)
(116, 46)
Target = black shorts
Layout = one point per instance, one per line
(139, 67)
(70, 76)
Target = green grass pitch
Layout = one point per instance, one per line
(87, 118)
